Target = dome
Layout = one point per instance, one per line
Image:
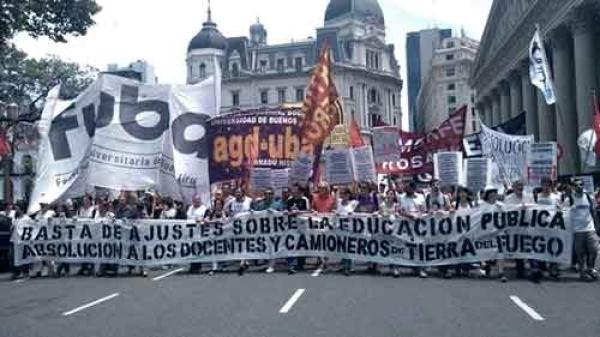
(208, 37)
(362, 9)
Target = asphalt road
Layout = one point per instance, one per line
(305, 304)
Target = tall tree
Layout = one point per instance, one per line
(26, 81)
(52, 18)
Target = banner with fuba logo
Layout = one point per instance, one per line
(466, 236)
(124, 135)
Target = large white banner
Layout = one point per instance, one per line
(508, 152)
(124, 135)
(466, 236)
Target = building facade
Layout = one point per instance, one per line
(257, 74)
(501, 77)
(420, 47)
(447, 87)
(139, 70)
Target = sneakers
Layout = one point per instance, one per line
(270, 270)
(292, 271)
(423, 274)
(503, 278)
(396, 273)
(211, 273)
(593, 274)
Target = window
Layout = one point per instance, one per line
(450, 44)
(280, 65)
(451, 110)
(235, 98)
(298, 64)
(451, 86)
(263, 65)
(376, 61)
(351, 92)
(373, 96)
(281, 96)
(451, 71)
(299, 95)
(451, 99)
(264, 96)
(202, 70)
(235, 70)
(394, 101)
(449, 57)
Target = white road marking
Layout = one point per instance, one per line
(529, 310)
(317, 272)
(91, 304)
(288, 305)
(167, 274)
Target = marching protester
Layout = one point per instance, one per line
(491, 197)
(412, 206)
(389, 208)
(437, 202)
(19, 216)
(239, 204)
(86, 211)
(367, 203)
(296, 203)
(268, 203)
(519, 197)
(346, 205)
(582, 215)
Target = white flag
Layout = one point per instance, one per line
(539, 70)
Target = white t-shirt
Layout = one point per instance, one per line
(345, 209)
(235, 207)
(553, 199)
(581, 217)
(513, 199)
(414, 205)
(86, 213)
(107, 216)
(171, 213)
(196, 213)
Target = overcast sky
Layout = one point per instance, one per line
(160, 30)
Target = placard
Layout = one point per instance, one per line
(448, 168)
(280, 179)
(478, 173)
(338, 166)
(542, 161)
(363, 165)
(302, 169)
(260, 178)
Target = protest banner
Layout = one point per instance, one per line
(542, 162)
(448, 168)
(507, 151)
(478, 173)
(280, 179)
(270, 137)
(363, 165)
(416, 150)
(124, 135)
(302, 169)
(338, 166)
(260, 178)
(386, 146)
(466, 236)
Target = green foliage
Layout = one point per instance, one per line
(52, 18)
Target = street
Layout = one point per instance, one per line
(177, 304)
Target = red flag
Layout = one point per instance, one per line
(355, 137)
(321, 107)
(597, 124)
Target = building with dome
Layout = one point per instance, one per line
(257, 74)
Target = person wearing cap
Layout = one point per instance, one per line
(412, 206)
(581, 214)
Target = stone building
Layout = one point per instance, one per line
(501, 78)
(447, 87)
(257, 74)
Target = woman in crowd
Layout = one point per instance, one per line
(389, 208)
(346, 205)
(491, 197)
(367, 202)
(215, 213)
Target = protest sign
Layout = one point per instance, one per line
(508, 152)
(542, 161)
(270, 138)
(338, 166)
(302, 169)
(340, 136)
(588, 184)
(280, 179)
(386, 147)
(260, 178)
(448, 168)
(124, 135)
(478, 173)
(466, 236)
(363, 165)
(416, 150)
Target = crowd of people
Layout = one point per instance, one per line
(396, 197)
